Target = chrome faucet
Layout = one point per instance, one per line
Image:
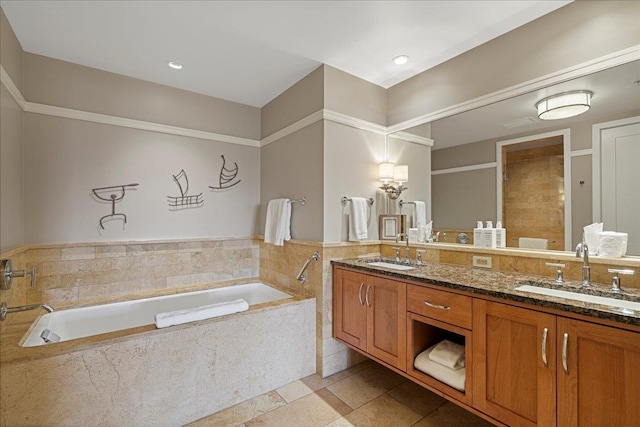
(4, 310)
(582, 250)
(407, 250)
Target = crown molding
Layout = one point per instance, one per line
(12, 88)
(464, 168)
(294, 127)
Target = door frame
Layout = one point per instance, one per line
(596, 173)
(566, 143)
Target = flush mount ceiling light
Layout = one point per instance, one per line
(564, 105)
(400, 59)
(175, 65)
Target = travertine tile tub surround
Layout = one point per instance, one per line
(163, 377)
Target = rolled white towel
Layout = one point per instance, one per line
(179, 317)
(448, 354)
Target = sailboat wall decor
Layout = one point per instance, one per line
(185, 200)
(227, 176)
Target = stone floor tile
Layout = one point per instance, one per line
(316, 382)
(384, 411)
(450, 415)
(417, 398)
(366, 385)
(242, 412)
(314, 410)
(294, 391)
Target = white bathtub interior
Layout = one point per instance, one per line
(88, 321)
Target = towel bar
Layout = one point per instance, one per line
(302, 201)
(346, 199)
(402, 202)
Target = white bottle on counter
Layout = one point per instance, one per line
(501, 235)
(489, 234)
(478, 237)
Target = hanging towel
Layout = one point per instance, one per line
(532, 243)
(277, 228)
(358, 219)
(179, 317)
(448, 354)
(421, 214)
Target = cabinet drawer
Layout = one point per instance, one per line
(441, 305)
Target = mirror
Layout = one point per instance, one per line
(548, 188)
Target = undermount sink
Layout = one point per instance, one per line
(391, 266)
(611, 302)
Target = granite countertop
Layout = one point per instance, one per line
(502, 285)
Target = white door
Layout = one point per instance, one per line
(620, 182)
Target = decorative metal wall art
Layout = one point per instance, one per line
(113, 198)
(184, 201)
(227, 175)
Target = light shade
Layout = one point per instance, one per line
(385, 171)
(401, 173)
(564, 105)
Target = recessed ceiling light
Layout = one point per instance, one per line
(175, 65)
(400, 60)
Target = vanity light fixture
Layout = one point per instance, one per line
(175, 65)
(564, 105)
(401, 59)
(388, 172)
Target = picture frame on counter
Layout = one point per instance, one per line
(391, 225)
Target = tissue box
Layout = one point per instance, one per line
(612, 244)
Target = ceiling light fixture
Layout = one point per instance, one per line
(400, 59)
(564, 105)
(175, 65)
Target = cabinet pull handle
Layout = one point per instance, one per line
(565, 344)
(432, 305)
(366, 297)
(360, 293)
(545, 332)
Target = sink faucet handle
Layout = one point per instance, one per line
(559, 267)
(615, 281)
(419, 253)
(397, 253)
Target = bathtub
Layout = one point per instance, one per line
(157, 377)
(100, 319)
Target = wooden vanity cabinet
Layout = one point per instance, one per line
(600, 383)
(511, 381)
(370, 314)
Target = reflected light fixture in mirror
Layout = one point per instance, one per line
(564, 105)
(388, 172)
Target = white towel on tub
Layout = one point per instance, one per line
(533, 243)
(179, 317)
(277, 228)
(358, 219)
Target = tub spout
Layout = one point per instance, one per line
(4, 310)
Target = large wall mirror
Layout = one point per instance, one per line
(501, 162)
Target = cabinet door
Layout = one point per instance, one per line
(386, 320)
(514, 365)
(599, 384)
(349, 309)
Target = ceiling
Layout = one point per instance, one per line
(614, 91)
(251, 51)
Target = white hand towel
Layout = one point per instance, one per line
(358, 219)
(448, 354)
(592, 236)
(532, 243)
(277, 228)
(453, 377)
(612, 244)
(179, 317)
(421, 213)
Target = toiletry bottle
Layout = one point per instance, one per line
(489, 236)
(501, 235)
(478, 237)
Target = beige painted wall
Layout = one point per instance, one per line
(64, 84)
(11, 156)
(571, 35)
(10, 51)
(347, 94)
(292, 167)
(300, 100)
(67, 158)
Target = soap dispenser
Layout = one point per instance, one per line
(478, 237)
(501, 235)
(489, 234)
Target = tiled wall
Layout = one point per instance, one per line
(75, 273)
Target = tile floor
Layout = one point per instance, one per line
(365, 395)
